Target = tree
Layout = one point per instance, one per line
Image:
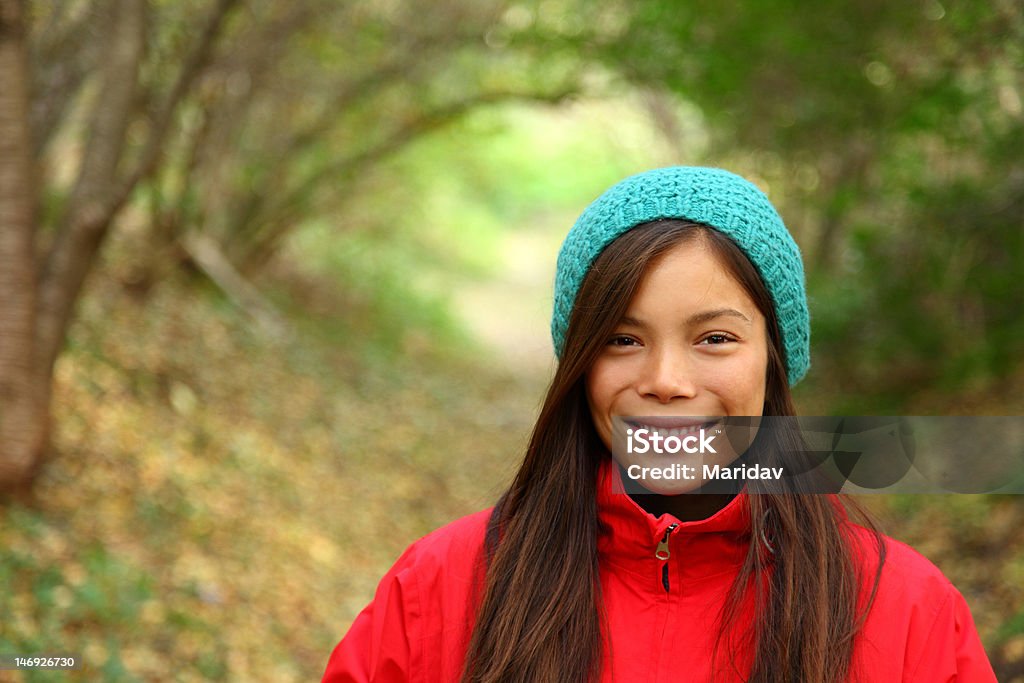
(892, 137)
(226, 123)
(23, 399)
(43, 282)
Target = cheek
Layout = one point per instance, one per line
(605, 383)
(757, 395)
(600, 395)
(759, 385)
(598, 382)
(742, 386)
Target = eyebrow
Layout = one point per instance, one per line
(695, 319)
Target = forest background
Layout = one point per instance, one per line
(275, 280)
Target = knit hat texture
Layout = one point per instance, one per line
(716, 198)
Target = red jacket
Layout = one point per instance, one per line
(417, 627)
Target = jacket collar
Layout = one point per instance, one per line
(630, 535)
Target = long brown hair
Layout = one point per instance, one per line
(540, 611)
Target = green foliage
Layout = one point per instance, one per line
(891, 137)
(214, 509)
(411, 237)
(390, 284)
(890, 134)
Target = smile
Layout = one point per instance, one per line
(670, 426)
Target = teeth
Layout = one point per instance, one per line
(677, 432)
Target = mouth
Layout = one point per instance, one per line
(672, 426)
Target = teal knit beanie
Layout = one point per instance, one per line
(716, 198)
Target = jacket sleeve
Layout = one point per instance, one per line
(379, 645)
(952, 651)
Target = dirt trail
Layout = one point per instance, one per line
(511, 312)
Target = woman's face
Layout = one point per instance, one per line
(692, 343)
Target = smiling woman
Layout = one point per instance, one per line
(679, 304)
(692, 342)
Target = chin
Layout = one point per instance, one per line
(667, 477)
(677, 490)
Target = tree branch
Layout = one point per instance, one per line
(62, 56)
(88, 211)
(208, 256)
(393, 71)
(283, 215)
(193, 67)
(93, 204)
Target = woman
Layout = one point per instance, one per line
(679, 293)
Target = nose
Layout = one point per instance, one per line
(667, 376)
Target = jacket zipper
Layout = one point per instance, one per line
(662, 553)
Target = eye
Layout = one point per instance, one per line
(623, 340)
(717, 338)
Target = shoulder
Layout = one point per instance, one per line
(453, 549)
(911, 594)
(919, 626)
(439, 578)
(418, 619)
(906, 573)
(438, 574)
(911, 590)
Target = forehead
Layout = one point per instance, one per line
(688, 277)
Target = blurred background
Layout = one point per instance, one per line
(275, 280)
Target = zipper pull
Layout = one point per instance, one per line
(662, 553)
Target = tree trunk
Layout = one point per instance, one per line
(24, 386)
(93, 201)
(38, 295)
(35, 308)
